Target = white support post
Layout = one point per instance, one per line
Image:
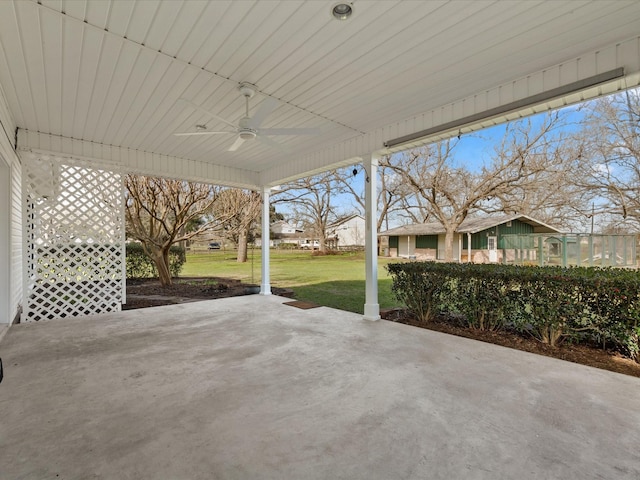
(265, 285)
(468, 248)
(371, 306)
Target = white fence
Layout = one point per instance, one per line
(570, 250)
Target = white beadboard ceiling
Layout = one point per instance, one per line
(113, 72)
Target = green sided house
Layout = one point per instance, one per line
(479, 240)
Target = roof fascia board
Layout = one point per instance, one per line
(515, 106)
(498, 221)
(540, 224)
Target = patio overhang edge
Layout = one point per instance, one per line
(594, 74)
(540, 99)
(136, 161)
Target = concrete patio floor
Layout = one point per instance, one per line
(247, 388)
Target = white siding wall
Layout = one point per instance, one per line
(353, 232)
(10, 241)
(10, 218)
(350, 233)
(5, 252)
(16, 238)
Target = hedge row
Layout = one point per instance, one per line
(584, 305)
(139, 265)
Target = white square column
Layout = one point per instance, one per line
(371, 306)
(265, 284)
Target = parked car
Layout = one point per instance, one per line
(214, 246)
(308, 244)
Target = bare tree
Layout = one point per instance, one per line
(390, 191)
(610, 161)
(437, 188)
(159, 211)
(449, 193)
(311, 199)
(241, 209)
(549, 192)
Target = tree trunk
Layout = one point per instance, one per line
(322, 247)
(161, 258)
(448, 245)
(242, 246)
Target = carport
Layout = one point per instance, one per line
(91, 91)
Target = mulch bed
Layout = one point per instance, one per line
(583, 354)
(142, 293)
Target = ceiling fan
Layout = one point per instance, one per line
(248, 128)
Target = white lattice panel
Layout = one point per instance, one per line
(74, 237)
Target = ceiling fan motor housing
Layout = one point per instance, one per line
(247, 89)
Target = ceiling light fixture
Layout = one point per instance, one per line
(342, 11)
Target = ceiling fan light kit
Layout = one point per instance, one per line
(247, 134)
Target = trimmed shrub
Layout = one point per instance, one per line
(553, 304)
(140, 265)
(418, 287)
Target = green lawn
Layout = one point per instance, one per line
(336, 281)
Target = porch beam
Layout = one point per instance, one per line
(371, 306)
(508, 108)
(137, 161)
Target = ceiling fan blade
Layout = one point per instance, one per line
(236, 145)
(188, 134)
(290, 131)
(200, 109)
(266, 107)
(272, 143)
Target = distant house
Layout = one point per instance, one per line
(346, 233)
(282, 232)
(282, 227)
(480, 240)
